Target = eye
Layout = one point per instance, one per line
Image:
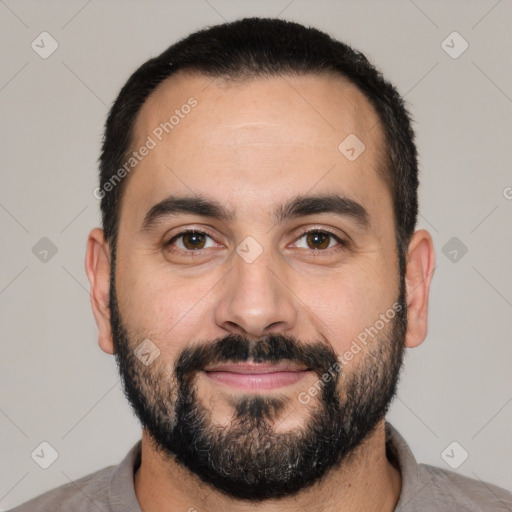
(191, 240)
(319, 240)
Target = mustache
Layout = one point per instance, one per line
(235, 348)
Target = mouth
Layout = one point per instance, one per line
(256, 376)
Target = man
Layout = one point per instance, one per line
(258, 277)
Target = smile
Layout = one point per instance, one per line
(256, 376)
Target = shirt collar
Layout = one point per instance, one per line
(400, 455)
(122, 487)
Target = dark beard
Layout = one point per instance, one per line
(249, 460)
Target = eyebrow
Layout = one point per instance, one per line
(299, 206)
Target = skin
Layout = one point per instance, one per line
(251, 146)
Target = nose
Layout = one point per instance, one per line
(255, 300)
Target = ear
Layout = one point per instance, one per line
(97, 267)
(420, 267)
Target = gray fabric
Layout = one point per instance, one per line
(431, 489)
(424, 488)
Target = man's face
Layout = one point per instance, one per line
(275, 280)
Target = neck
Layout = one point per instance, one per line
(365, 481)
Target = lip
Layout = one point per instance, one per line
(255, 368)
(256, 376)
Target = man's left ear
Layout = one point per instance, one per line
(420, 267)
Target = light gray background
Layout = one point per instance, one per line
(56, 384)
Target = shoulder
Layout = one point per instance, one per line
(86, 494)
(441, 490)
(110, 488)
(427, 488)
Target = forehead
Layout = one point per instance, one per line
(259, 138)
(322, 104)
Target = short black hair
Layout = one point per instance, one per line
(266, 47)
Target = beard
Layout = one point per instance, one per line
(248, 459)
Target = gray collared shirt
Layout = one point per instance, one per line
(424, 488)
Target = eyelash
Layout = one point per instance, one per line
(195, 253)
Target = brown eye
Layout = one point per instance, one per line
(194, 240)
(191, 241)
(318, 240)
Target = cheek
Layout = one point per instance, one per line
(155, 303)
(347, 303)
